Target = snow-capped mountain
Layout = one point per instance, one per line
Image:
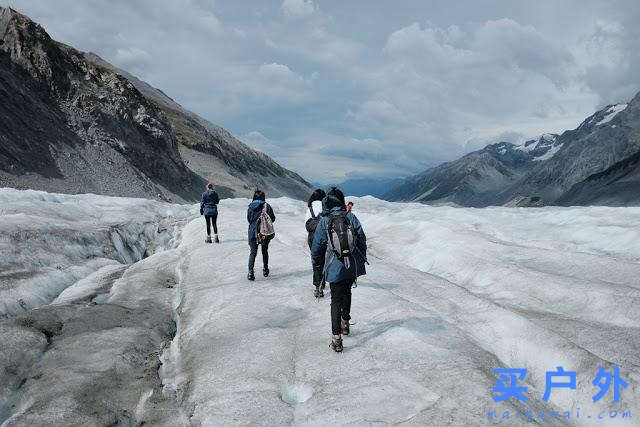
(74, 123)
(543, 169)
(609, 136)
(542, 148)
(475, 179)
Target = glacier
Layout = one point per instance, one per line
(115, 311)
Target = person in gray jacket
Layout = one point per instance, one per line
(342, 266)
(209, 208)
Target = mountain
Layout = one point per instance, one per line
(615, 186)
(375, 187)
(476, 178)
(213, 153)
(73, 123)
(579, 166)
(605, 138)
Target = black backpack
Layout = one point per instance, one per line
(312, 224)
(341, 237)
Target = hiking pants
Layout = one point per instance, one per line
(340, 303)
(212, 219)
(254, 252)
(318, 270)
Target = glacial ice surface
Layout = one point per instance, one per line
(450, 295)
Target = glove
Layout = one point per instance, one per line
(201, 212)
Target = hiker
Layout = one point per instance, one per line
(311, 222)
(209, 208)
(261, 218)
(340, 239)
(349, 206)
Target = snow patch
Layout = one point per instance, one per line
(140, 407)
(611, 113)
(294, 394)
(549, 154)
(543, 140)
(91, 285)
(426, 193)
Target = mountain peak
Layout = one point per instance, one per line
(75, 123)
(544, 167)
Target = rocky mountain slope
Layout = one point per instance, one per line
(602, 140)
(70, 122)
(476, 178)
(546, 169)
(369, 186)
(213, 153)
(616, 186)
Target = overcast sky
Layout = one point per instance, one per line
(361, 88)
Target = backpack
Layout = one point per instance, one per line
(265, 227)
(341, 237)
(312, 224)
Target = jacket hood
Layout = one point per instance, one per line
(331, 204)
(256, 205)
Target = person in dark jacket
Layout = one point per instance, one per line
(313, 218)
(209, 208)
(253, 217)
(341, 274)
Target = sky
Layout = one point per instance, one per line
(361, 89)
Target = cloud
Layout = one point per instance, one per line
(439, 82)
(611, 60)
(132, 59)
(258, 141)
(350, 88)
(297, 8)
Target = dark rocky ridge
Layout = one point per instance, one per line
(213, 153)
(616, 186)
(72, 123)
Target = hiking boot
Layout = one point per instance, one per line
(208, 239)
(251, 277)
(215, 238)
(265, 272)
(336, 344)
(344, 325)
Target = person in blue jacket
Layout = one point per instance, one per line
(209, 208)
(253, 217)
(340, 273)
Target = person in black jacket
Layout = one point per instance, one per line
(209, 208)
(313, 217)
(254, 212)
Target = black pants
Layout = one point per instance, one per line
(340, 304)
(212, 219)
(254, 252)
(318, 270)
